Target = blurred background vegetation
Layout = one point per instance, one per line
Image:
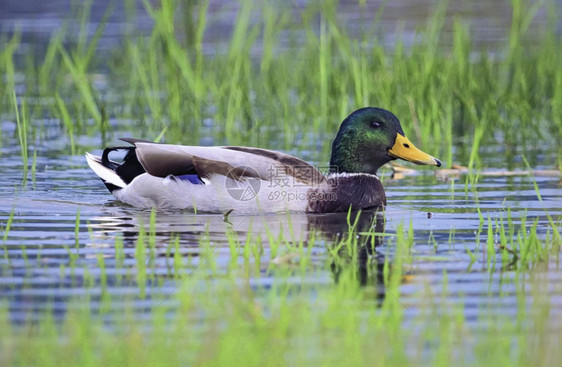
(283, 76)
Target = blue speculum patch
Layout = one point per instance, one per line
(194, 179)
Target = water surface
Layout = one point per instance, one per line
(46, 262)
(49, 261)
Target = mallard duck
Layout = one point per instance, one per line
(246, 180)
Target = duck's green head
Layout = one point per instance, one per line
(371, 137)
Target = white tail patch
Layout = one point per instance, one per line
(103, 172)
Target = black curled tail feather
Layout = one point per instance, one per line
(105, 158)
(127, 170)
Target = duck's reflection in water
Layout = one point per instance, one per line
(365, 228)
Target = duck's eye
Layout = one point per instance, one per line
(375, 124)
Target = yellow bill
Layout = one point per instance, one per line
(404, 149)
